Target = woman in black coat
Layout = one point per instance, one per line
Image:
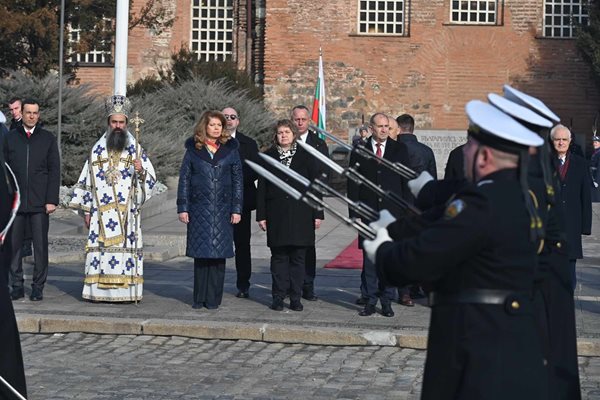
(209, 201)
(290, 224)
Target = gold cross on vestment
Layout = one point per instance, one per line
(100, 162)
(128, 161)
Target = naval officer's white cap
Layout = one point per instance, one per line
(531, 102)
(492, 127)
(523, 115)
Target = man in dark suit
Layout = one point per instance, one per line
(32, 153)
(575, 193)
(241, 232)
(371, 288)
(455, 165)
(420, 158)
(15, 107)
(301, 118)
(11, 359)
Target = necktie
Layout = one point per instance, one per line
(378, 153)
(28, 134)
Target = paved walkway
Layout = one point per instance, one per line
(166, 307)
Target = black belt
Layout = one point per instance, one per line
(512, 301)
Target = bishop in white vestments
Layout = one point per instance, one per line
(116, 180)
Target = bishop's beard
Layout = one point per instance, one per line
(116, 140)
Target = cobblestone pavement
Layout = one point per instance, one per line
(101, 367)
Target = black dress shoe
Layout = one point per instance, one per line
(242, 294)
(386, 310)
(197, 305)
(310, 296)
(368, 310)
(36, 295)
(295, 305)
(277, 304)
(362, 301)
(17, 294)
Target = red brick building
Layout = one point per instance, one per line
(424, 57)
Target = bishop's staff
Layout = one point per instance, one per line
(137, 121)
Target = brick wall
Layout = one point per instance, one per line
(431, 74)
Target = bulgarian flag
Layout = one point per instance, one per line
(319, 114)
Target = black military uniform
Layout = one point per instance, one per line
(11, 360)
(481, 260)
(553, 296)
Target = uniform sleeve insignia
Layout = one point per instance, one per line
(454, 208)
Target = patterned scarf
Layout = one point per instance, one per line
(212, 147)
(285, 156)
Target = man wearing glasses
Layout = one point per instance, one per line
(241, 231)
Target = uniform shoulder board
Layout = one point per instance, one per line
(454, 208)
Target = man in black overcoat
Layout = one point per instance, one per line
(15, 107)
(455, 164)
(32, 153)
(371, 288)
(483, 341)
(575, 193)
(241, 231)
(11, 360)
(301, 118)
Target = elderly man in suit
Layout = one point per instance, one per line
(372, 290)
(241, 231)
(575, 194)
(301, 118)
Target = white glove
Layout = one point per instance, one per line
(385, 218)
(415, 185)
(371, 246)
(595, 184)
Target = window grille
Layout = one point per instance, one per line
(474, 12)
(562, 16)
(212, 29)
(91, 57)
(377, 17)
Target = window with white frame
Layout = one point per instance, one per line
(386, 17)
(212, 29)
(562, 16)
(482, 12)
(91, 57)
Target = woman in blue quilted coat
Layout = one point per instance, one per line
(209, 201)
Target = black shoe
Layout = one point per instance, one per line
(277, 304)
(310, 296)
(386, 310)
(295, 305)
(197, 305)
(242, 294)
(36, 295)
(362, 301)
(17, 294)
(368, 310)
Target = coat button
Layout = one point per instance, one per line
(515, 305)
(558, 244)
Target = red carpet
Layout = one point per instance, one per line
(349, 258)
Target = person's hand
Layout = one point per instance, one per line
(184, 217)
(263, 225)
(235, 218)
(370, 246)
(86, 219)
(50, 208)
(318, 223)
(415, 185)
(137, 164)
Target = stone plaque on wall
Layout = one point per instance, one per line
(442, 143)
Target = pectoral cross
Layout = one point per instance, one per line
(128, 161)
(100, 162)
